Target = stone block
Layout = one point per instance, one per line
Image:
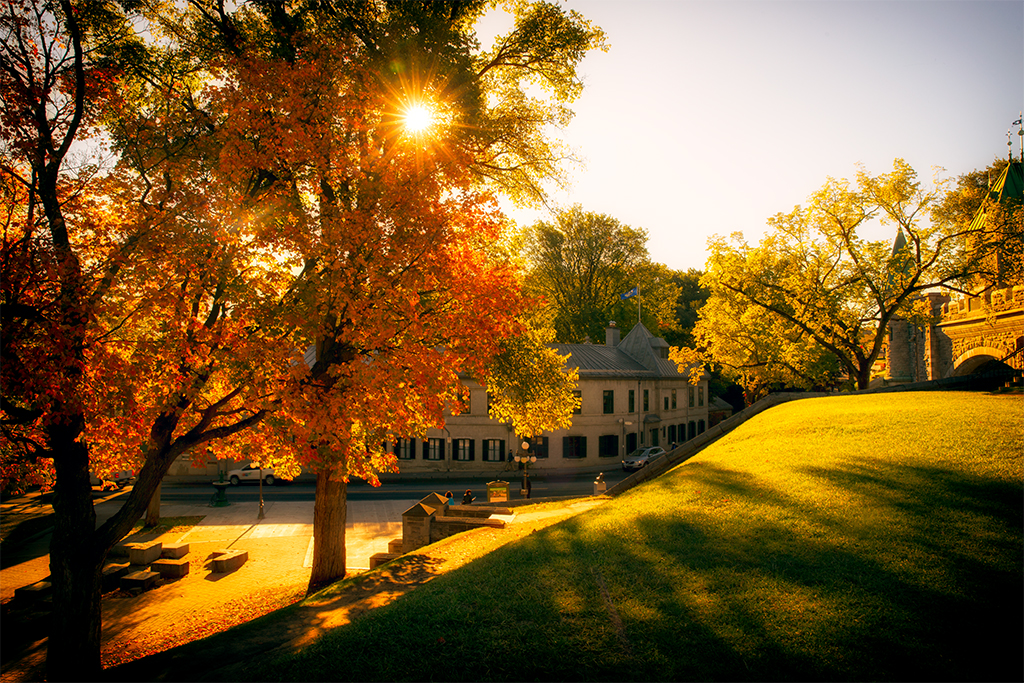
(395, 546)
(112, 574)
(144, 553)
(225, 561)
(171, 568)
(35, 591)
(142, 580)
(174, 551)
(380, 558)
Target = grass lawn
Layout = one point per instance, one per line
(849, 538)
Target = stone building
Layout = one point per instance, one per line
(631, 395)
(970, 332)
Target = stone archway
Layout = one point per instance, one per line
(974, 359)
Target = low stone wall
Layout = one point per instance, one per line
(433, 519)
(477, 511)
(443, 527)
(701, 441)
(975, 382)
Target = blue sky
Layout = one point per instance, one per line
(708, 117)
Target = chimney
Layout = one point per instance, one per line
(611, 334)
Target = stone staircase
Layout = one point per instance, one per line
(433, 519)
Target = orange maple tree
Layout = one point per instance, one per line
(397, 289)
(271, 263)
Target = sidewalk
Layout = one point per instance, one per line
(280, 549)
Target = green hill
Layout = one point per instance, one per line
(849, 538)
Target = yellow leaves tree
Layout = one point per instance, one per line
(530, 386)
(815, 296)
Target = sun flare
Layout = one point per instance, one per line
(418, 118)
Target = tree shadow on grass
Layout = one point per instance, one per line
(220, 656)
(809, 594)
(752, 583)
(733, 578)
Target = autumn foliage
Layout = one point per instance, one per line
(219, 236)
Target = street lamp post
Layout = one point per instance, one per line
(525, 458)
(261, 514)
(623, 424)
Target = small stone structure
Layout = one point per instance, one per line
(225, 561)
(144, 553)
(143, 579)
(171, 568)
(174, 551)
(434, 518)
(150, 562)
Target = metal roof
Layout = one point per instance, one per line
(635, 356)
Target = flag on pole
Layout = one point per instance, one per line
(630, 294)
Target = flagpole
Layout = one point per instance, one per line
(638, 304)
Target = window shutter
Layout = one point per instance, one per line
(426, 449)
(501, 451)
(583, 446)
(472, 449)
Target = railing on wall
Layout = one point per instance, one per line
(1015, 359)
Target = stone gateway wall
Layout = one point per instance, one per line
(968, 332)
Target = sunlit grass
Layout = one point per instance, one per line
(178, 525)
(859, 537)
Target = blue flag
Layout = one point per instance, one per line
(630, 294)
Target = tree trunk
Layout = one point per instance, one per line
(73, 648)
(329, 513)
(863, 377)
(153, 509)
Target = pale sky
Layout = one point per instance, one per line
(707, 117)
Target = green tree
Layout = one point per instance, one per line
(755, 348)
(818, 287)
(692, 296)
(580, 266)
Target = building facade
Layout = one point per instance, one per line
(631, 395)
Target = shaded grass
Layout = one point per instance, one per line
(847, 538)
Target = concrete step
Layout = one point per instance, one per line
(380, 558)
(171, 568)
(140, 580)
(112, 575)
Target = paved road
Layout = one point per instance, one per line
(546, 485)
